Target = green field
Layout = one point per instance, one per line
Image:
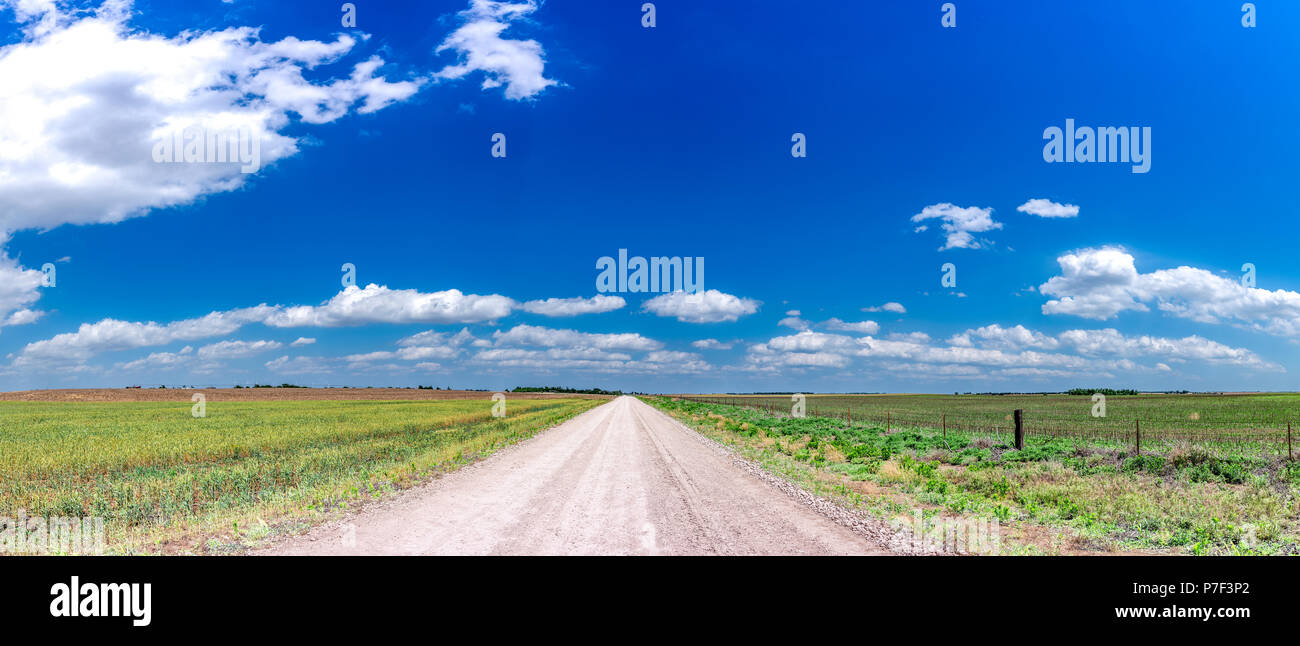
(165, 480)
(1217, 421)
(1060, 494)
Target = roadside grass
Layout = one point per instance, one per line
(165, 481)
(1057, 495)
(1197, 412)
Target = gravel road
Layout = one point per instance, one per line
(622, 478)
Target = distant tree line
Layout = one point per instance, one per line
(1109, 392)
(560, 389)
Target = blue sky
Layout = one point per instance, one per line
(666, 141)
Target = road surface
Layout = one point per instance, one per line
(622, 478)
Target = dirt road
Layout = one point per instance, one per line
(622, 478)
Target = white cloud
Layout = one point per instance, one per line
(996, 336)
(891, 306)
(711, 306)
(532, 335)
(352, 306)
(23, 317)
(574, 306)
(671, 361)
(110, 335)
(1100, 283)
(86, 96)
(19, 287)
(300, 365)
(862, 327)
(793, 321)
(994, 351)
(433, 338)
(959, 223)
(236, 349)
(805, 349)
(382, 355)
(160, 361)
(434, 345)
(478, 43)
(1111, 342)
(1094, 283)
(1045, 208)
(379, 304)
(909, 337)
(301, 341)
(710, 344)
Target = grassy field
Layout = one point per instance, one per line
(164, 480)
(1058, 495)
(1216, 421)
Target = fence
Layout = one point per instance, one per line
(1135, 434)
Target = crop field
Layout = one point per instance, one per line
(1063, 493)
(1216, 421)
(163, 479)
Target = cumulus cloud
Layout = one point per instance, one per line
(518, 65)
(862, 327)
(792, 320)
(532, 335)
(711, 344)
(549, 349)
(995, 351)
(236, 349)
(1100, 283)
(19, 288)
(300, 365)
(959, 224)
(1094, 283)
(160, 361)
(891, 306)
(86, 97)
(1045, 208)
(352, 306)
(555, 307)
(1111, 342)
(379, 304)
(434, 345)
(22, 317)
(110, 335)
(1012, 338)
(710, 306)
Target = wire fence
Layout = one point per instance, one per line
(1137, 435)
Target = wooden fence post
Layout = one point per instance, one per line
(945, 427)
(1020, 429)
(1137, 435)
(1288, 441)
(886, 421)
(850, 416)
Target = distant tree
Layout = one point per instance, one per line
(1109, 392)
